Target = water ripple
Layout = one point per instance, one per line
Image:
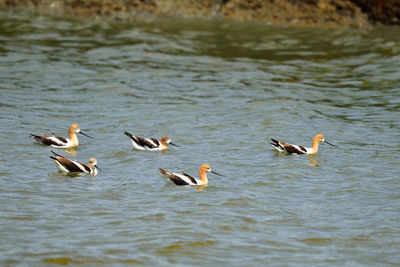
(219, 89)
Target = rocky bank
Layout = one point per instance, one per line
(320, 13)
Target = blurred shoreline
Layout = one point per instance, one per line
(309, 13)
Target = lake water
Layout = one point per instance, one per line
(220, 89)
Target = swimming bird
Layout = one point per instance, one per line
(185, 179)
(294, 149)
(60, 142)
(150, 144)
(71, 166)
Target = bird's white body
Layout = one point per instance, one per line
(155, 145)
(182, 178)
(58, 142)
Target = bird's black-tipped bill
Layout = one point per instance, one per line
(174, 144)
(217, 173)
(330, 144)
(86, 135)
(98, 168)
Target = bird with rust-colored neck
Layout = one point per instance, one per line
(60, 142)
(72, 166)
(295, 149)
(185, 179)
(150, 144)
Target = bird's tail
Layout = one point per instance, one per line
(128, 134)
(277, 145)
(36, 137)
(163, 172)
(57, 155)
(275, 142)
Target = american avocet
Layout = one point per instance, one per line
(185, 179)
(66, 165)
(293, 149)
(151, 144)
(60, 142)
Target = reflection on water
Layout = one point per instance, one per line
(201, 187)
(71, 151)
(218, 89)
(312, 162)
